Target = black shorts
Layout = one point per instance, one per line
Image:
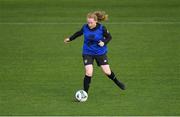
(100, 59)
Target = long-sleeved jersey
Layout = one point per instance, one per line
(91, 39)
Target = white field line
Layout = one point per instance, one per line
(78, 23)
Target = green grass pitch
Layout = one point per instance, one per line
(39, 74)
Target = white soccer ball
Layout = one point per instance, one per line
(81, 96)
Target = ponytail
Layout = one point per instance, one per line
(98, 16)
(101, 16)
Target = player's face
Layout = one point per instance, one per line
(91, 22)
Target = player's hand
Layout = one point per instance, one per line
(101, 43)
(67, 40)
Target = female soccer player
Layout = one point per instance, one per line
(96, 38)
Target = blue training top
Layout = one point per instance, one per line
(92, 38)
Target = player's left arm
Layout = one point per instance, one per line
(107, 37)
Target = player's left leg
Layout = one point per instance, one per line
(102, 61)
(106, 69)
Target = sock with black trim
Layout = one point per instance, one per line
(87, 81)
(116, 81)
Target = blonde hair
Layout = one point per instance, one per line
(98, 16)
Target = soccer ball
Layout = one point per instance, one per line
(81, 96)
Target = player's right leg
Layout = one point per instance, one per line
(88, 63)
(88, 76)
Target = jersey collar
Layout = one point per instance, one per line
(97, 26)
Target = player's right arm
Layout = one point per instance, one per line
(74, 36)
